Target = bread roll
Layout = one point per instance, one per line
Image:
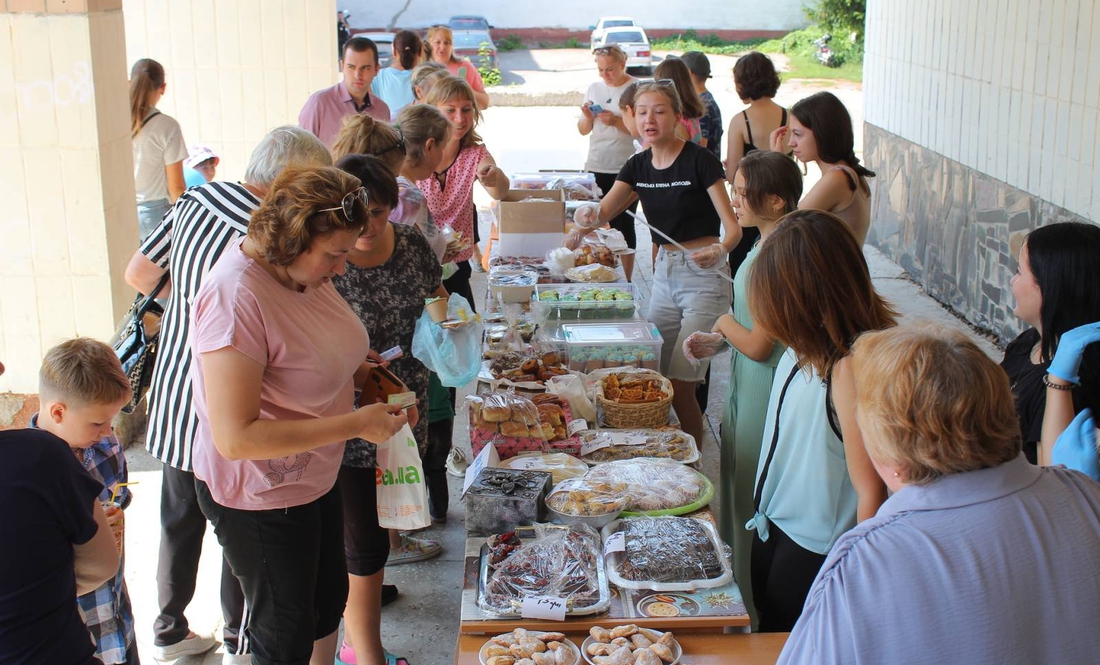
(496, 413)
(514, 430)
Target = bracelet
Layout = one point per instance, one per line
(1057, 386)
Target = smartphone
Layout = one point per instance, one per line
(596, 109)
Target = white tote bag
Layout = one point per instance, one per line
(402, 494)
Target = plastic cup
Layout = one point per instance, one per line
(116, 518)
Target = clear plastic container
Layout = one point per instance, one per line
(565, 303)
(591, 346)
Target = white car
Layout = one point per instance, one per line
(384, 41)
(606, 22)
(635, 43)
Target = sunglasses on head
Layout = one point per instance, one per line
(400, 145)
(607, 50)
(347, 204)
(664, 83)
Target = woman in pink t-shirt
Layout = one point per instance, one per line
(439, 47)
(450, 191)
(278, 356)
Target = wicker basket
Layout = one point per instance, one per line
(647, 414)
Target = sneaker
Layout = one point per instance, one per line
(412, 550)
(389, 594)
(192, 645)
(475, 263)
(236, 659)
(456, 463)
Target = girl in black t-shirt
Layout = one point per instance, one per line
(1056, 289)
(681, 187)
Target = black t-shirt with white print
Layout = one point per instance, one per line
(675, 199)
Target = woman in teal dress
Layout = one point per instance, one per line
(767, 186)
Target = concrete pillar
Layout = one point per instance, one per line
(68, 223)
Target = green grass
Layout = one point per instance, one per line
(805, 67)
(797, 45)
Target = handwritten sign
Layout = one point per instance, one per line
(550, 608)
(594, 444)
(616, 542)
(577, 425)
(624, 439)
(528, 463)
(487, 457)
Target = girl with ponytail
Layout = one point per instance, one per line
(159, 149)
(820, 131)
(394, 83)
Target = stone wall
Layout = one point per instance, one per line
(955, 230)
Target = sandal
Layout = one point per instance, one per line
(346, 656)
(394, 660)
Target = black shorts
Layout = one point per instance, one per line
(366, 545)
(290, 563)
(624, 222)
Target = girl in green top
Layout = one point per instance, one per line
(767, 186)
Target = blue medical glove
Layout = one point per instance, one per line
(1071, 347)
(1076, 447)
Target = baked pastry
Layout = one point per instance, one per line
(495, 413)
(515, 430)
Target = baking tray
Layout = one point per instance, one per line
(692, 458)
(725, 578)
(525, 533)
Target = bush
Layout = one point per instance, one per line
(510, 43)
(489, 75)
(572, 42)
(843, 19)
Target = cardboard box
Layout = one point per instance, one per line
(531, 228)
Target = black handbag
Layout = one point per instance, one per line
(136, 345)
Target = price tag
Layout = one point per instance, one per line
(624, 439)
(594, 444)
(392, 354)
(616, 542)
(551, 608)
(577, 425)
(528, 463)
(487, 457)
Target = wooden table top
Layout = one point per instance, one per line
(699, 648)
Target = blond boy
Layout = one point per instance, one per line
(82, 388)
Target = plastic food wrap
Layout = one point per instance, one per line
(561, 466)
(507, 420)
(668, 554)
(556, 561)
(593, 274)
(665, 443)
(587, 498)
(653, 484)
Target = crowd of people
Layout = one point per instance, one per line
(867, 468)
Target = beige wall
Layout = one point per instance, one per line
(1010, 88)
(67, 219)
(235, 68)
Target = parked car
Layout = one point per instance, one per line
(384, 40)
(469, 22)
(600, 29)
(635, 43)
(468, 44)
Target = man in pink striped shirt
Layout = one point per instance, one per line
(325, 110)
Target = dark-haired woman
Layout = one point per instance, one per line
(159, 149)
(821, 132)
(814, 480)
(394, 83)
(390, 273)
(1056, 290)
(690, 128)
(757, 82)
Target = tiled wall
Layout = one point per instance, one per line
(982, 123)
(1010, 88)
(235, 68)
(67, 219)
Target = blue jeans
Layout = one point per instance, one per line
(149, 215)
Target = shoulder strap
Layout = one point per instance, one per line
(775, 439)
(853, 177)
(747, 127)
(783, 122)
(830, 409)
(143, 122)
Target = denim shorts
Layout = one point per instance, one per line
(149, 215)
(685, 300)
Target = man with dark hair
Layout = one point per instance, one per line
(324, 111)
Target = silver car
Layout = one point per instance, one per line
(384, 40)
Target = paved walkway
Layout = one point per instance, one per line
(423, 623)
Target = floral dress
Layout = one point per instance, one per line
(389, 299)
(453, 205)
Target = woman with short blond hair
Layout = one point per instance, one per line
(439, 47)
(970, 523)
